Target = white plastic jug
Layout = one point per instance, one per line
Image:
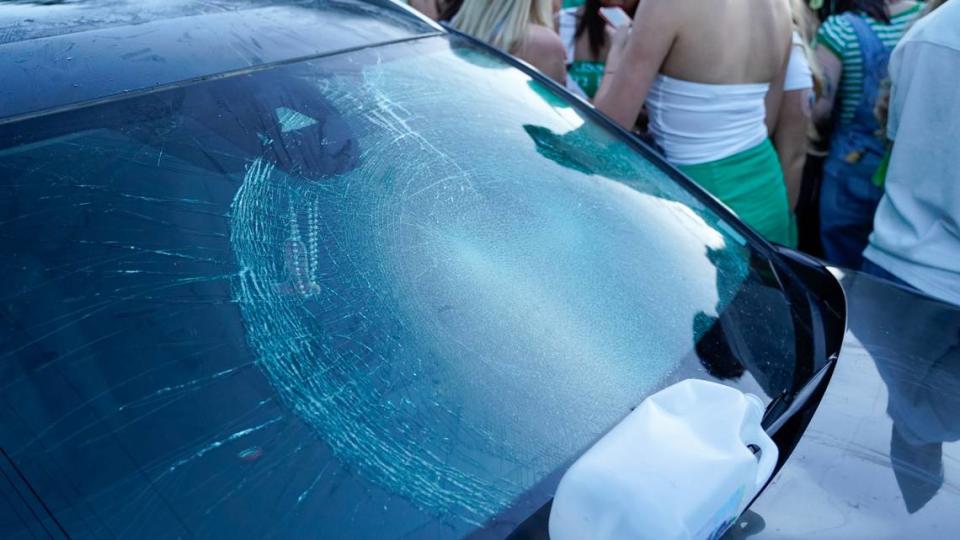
(678, 466)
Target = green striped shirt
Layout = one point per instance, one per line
(837, 35)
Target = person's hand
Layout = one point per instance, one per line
(617, 47)
(882, 109)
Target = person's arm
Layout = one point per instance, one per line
(790, 130)
(831, 69)
(774, 99)
(635, 58)
(790, 139)
(543, 50)
(427, 7)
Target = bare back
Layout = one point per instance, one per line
(720, 42)
(729, 41)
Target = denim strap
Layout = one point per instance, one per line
(876, 57)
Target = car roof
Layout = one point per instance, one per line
(58, 54)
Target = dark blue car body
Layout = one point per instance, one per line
(135, 395)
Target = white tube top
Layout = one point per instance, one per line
(698, 122)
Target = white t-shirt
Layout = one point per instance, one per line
(917, 225)
(799, 76)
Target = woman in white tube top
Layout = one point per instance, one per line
(711, 73)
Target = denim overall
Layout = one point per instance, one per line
(848, 196)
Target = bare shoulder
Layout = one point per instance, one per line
(769, 10)
(542, 41)
(543, 49)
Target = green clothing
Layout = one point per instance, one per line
(880, 177)
(572, 3)
(587, 75)
(751, 184)
(838, 35)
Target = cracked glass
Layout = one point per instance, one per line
(390, 293)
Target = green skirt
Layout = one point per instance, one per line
(751, 184)
(587, 75)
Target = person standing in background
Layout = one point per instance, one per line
(523, 28)
(430, 8)
(807, 210)
(916, 237)
(711, 74)
(793, 125)
(586, 37)
(853, 50)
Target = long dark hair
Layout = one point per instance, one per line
(876, 9)
(448, 9)
(593, 24)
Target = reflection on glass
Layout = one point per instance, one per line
(461, 274)
(922, 374)
(727, 343)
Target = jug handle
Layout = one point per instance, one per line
(768, 459)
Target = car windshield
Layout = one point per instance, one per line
(386, 293)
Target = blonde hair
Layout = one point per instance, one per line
(502, 23)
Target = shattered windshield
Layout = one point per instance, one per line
(383, 294)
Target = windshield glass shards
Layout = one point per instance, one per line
(387, 293)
